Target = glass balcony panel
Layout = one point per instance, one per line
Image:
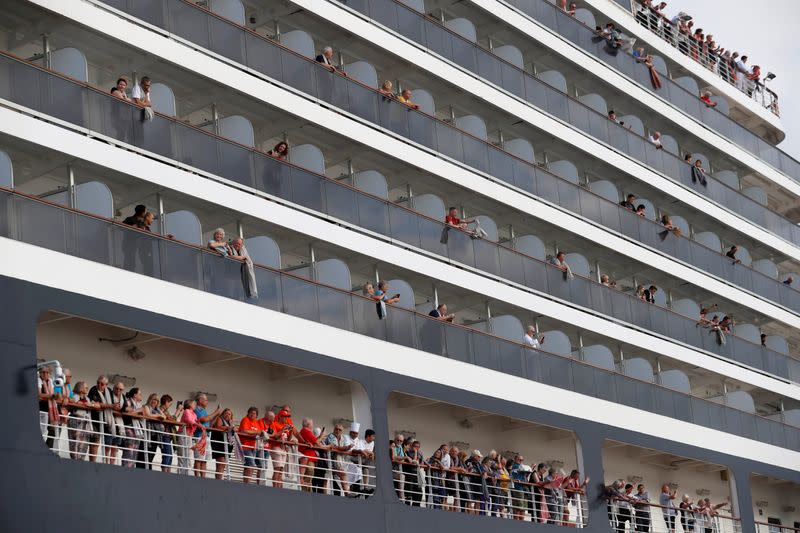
(227, 40)
(525, 175)
(536, 92)
(411, 25)
(198, 149)
(400, 327)
(151, 11)
(579, 292)
(463, 53)
(299, 298)
(181, 264)
(568, 196)
(388, 11)
(393, 115)
(476, 153)
(556, 371)
(578, 114)
(557, 283)
(459, 343)
(404, 225)
(373, 214)
(307, 190)
(547, 187)
(583, 379)
(485, 351)
(64, 99)
(590, 205)
(599, 126)
(269, 289)
(439, 40)
(335, 308)
(510, 358)
(332, 88)
(431, 233)
(664, 402)
(449, 141)
(733, 420)
(263, 57)
(430, 334)
(342, 202)
(93, 239)
(513, 80)
(366, 317)
(190, 23)
(489, 68)
(536, 274)
(222, 277)
(363, 102)
(273, 177)
(236, 163)
(41, 225)
(422, 129)
(487, 256)
(298, 73)
(511, 265)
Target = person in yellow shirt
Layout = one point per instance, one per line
(405, 97)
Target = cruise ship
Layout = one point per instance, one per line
(393, 266)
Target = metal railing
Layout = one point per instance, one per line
(489, 493)
(766, 527)
(167, 446)
(643, 517)
(64, 230)
(700, 52)
(246, 165)
(585, 37)
(208, 30)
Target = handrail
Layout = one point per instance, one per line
(794, 175)
(777, 526)
(741, 197)
(632, 298)
(676, 508)
(183, 425)
(409, 312)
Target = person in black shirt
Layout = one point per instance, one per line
(137, 219)
(732, 254)
(441, 313)
(650, 294)
(628, 202)
(326, 60)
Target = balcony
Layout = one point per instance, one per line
(97, 239)
(250, 167)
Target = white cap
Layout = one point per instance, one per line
(317, 431)
(477, 453)
(355, 427)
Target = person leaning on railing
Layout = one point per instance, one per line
(79, 425)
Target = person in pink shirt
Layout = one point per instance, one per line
(186, 441)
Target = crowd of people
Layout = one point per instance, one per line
(631, 507)
(701, 46)
(107, 424)
(491, 485)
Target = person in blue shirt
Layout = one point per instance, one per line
(65, 390)
(204, 419)
(520, 472)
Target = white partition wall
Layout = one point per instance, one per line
(709, 240)
(510, 53)
(595, 101)
(670, 144)
(463, 27)
(605, 189)
(777, 343)
(599, 355)
(748, 332)
(309, 157)
(70, 62)
(521, 148)
(564, 169)
(686, 307)
(264, 251)
(633, 123)
(333, 272)
(530, 245)
(554, 79)
(740, 400)
(507, 327)
(229, 9)
(424, 100)
(237, 128)
(638, 368)
(473, 125)
(557, 342)
(94, 197)
(299, 41)
(430, 205)
(766, 267)
(675, 380)
(6, 171)
(728, 177)
(406, 292)
(372, 182)
(184, 226)
(688, 83)
(363, 72)
(578, 264)
(163, 99)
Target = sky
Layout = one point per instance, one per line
(764, 32)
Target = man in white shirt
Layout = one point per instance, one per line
(532, 339)
(141, 92)
(361, 452)
(655, 139)
(742, 70)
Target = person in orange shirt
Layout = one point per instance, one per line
(249, 428)
(281, 430)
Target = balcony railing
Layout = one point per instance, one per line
(43, 91)
(90, 237)
(426, 485)
(164, 446)
(766, 527)
(203, 28)
(700, 53)
(656, 518)
(582, 35)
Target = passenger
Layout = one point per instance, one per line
(249, 428)
(605, 280)
(381, 294)
(650, 294)
(559, 261)
(436, 473)
(339, 444)
(572, 486)
(532, 339)
(612, 116)
(641, 210)
(454, 486)
(405, 98)
(687, 514)
(104, 422)
(240, 253)
(698, 173)
(219, 244)
(641, 506)
(687, 159)
(572, 8)
(164, 439)
(441, 313)
(221, 446)
(763, 339)
(667, 501)
(386, 89)
(264, 444)
(308, 454)
(133, 454)
(452, 220)
(704, 321)
(640, 292)
(280, 151)
(503, 486)
(726, 324)
(655, 140)
(79, 424)
(540, 502)
(120, 89)
(705, 97)
(361, 453)
(137, 218)
(731, 254)
(141, 92)
(204, 419)
(156, 431)
(788, 281)
(398, 457)
(625, 508)
(283, 431)
(628, 202)
(519, 488)
(326, 60)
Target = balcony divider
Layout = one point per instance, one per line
(48, 225)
